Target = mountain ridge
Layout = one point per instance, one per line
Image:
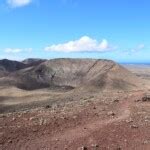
(73, 73)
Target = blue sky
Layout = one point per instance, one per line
(110, 29)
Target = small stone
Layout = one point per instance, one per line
(129, 121)
(82, 148)
(74, 117)
(64, 118)
(13, 119)
(41, 121)
(137, 100)
(111, 113)
(118, 148)
(9, 141)
(95, 145)
(134, 126)
(96, 114)
(47, 106)
(34, 130)
(94, 107)
(116, 100)
(146, 98)
(146, 120)
(32, 118)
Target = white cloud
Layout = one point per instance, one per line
(84, 44)
(18, 3)
(134, 50)
(141, 46)
(28, 50)
(17, 50)
(13, 50)
(138, 48)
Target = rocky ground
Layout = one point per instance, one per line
(112, 121)
(102, 106)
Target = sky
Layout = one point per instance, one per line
(103, 29)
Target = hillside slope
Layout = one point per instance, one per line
(10, 66)
(73, 73)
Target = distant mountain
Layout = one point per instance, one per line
(73, 73)
(33, 61)
(10, 66)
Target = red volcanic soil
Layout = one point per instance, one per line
(120, 123)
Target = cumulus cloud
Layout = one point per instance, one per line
(84, 44)
(18, 3)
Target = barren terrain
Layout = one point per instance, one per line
(72, 114)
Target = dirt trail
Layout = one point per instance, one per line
(83, 131)
(87, 129)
